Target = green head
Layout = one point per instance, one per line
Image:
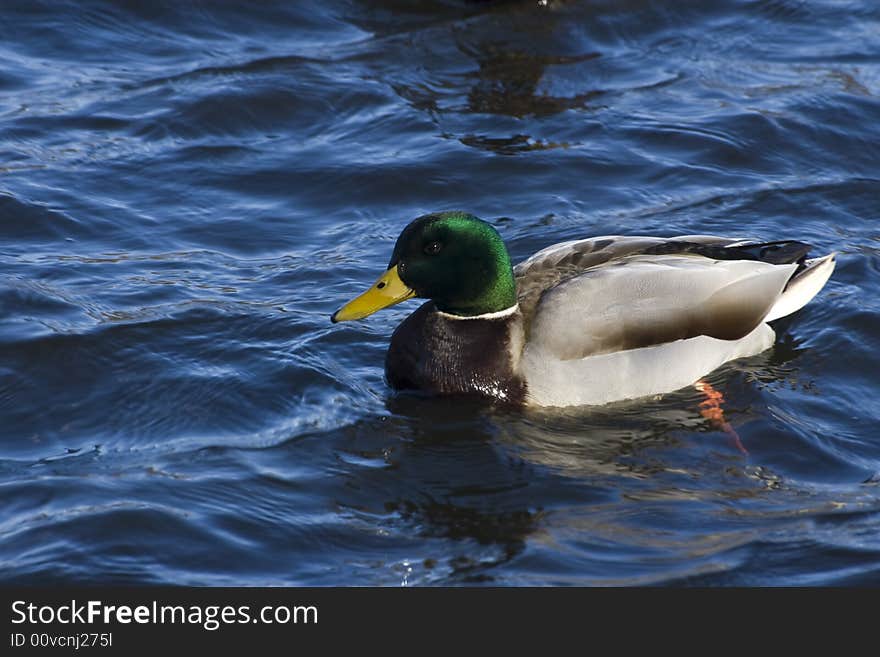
(453, 258)
(457, 260)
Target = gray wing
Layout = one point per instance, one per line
(555, 264)
(645, 300)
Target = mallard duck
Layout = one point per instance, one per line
(589, 321)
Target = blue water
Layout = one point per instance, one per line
(187, 191)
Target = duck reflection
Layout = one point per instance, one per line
(487, 478)
(492, 479)
(439, 473)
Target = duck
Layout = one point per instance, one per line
(583, 322)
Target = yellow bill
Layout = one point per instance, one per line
(386, 291)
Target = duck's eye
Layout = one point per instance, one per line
(433, 248)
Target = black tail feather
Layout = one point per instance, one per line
(784, 252)
(776, 253)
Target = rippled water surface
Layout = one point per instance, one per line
(187, 191)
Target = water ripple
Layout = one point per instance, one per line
(187, 194)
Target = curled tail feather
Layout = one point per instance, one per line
(803, 286)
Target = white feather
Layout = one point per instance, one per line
(634, 373)
(595, 311)
(803, 287)
(570, 359)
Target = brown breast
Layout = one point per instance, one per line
(434, 353)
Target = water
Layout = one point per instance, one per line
(188, 191)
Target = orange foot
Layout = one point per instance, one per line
(710, 408)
